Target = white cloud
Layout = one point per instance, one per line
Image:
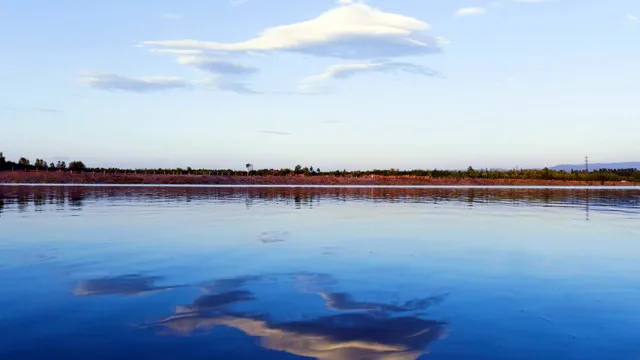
(141, 85)
(632, 18)
(172, 16)
(352, 30)
(313, 84)
(471, 11)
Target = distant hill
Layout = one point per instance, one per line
(597, 166)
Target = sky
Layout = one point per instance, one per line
(331, 84)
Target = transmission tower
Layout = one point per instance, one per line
(586, 163)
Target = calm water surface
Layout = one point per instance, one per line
(319, 273)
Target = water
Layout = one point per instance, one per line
(324, 273)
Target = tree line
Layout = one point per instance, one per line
(601, 175)
(24, 164)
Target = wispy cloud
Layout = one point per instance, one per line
(172, 16)
(217, 66)
(632, 18)
(178, 51)
(230, 84)
(39, 109)
(281, 133)
(345, 71)
(227, 75)
(471, 11)
(237, 87)
(47, 110)
(141, 85)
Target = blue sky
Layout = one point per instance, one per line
(349, 84)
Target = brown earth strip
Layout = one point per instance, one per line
(44, 177)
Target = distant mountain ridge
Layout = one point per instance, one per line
(597, 166)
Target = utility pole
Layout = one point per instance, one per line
(586, 163)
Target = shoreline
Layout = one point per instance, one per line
(69, 178)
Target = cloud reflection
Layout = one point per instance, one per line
(373, 332)
(214, 301)
(120, 285)
(344, 302)
(336, 337)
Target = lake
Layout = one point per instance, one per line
(319, 273)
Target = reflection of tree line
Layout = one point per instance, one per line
(61, 197)
(353, 330)
(307, 197)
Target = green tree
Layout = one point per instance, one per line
(471, 172)
(77, 166)
(24, 162)
(52, 166)
(61, 165)
(3, 161)
(298, 169)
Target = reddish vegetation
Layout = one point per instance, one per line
(43, 177)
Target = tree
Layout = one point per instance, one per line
(39, 164)
(24, 162)
(3, 162)
(298, 169)
(52, 166)
(61, 165)
(77, 166)
(471, 172)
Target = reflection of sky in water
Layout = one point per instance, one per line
(285, 273)
(353, 329)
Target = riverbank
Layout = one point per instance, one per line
(44, 177)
